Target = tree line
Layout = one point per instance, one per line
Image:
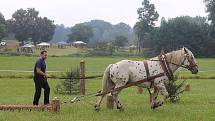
(27, 25)
(196, 33)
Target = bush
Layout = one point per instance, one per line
(175, 90)
(69, 86)
(102, 49)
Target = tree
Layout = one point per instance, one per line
(61, 33)
(210, 8)
(191, 32)
(105, 31)
(146, 23)
(3, 31)
(120, 41)
(148, 14)
(81, 32)
(26, 24)
(44, 30)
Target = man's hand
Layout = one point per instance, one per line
(46, 76)
(41, 73)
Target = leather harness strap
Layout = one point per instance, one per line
(147, 75)
(146, 68)
(165, 66)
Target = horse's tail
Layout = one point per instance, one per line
(106, 79)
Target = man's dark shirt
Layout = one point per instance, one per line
(39, 64)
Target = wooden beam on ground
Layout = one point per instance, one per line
(54, 107)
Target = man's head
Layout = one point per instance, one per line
(44, 54)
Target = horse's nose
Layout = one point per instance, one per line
(196, 71)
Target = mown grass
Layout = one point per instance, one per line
(196, 105)
(94, 65)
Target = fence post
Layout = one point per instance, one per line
(140, 90)
(110, 101)
(82, 75)
(55, 105)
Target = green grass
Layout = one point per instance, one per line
(94, 65)
(196, 105)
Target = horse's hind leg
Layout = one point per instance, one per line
(98, 102)
(100, 98)
(115, 97)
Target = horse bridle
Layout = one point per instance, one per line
(189, 67)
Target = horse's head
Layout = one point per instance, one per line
(189, 61)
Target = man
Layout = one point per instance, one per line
(40, 79)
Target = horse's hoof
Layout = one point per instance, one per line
(120, 108)
(97, 109)
(160, 103)
(154, 106)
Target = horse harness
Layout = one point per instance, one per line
(164, 65)
(167, 72)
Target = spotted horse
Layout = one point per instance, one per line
(161, 68)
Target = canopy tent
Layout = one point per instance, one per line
(43, 44)
(2, 43)
(28, 46)
(79, 43)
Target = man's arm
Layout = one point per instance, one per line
(40, 72)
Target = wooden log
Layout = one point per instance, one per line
(82, 75)
(187, 87)
(54, 107)
(110, 101)
(23, 107)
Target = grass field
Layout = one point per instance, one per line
(196, 105)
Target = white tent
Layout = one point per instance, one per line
(28, 46)
(80, 42)
(3, 43)
(43, 44)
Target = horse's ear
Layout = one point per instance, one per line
(185, 50)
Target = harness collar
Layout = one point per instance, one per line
(165, 66)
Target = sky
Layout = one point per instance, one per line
(71, 12)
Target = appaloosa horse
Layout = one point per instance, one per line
(126, 71)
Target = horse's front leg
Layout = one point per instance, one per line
(98, 102)
(153, 98)
(162, 89)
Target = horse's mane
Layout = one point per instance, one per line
(175, 56)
